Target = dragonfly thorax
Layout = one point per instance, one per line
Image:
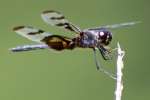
(92, 38)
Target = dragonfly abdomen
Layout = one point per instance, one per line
(59, 42)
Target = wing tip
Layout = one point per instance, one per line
(17, 28)
(137, 22)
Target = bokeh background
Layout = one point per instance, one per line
(72, 75)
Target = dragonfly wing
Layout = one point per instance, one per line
(115, 26)
(56, 42)
(106, 54)
(31, 33)
(55, 18)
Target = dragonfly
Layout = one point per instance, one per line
(97, 38)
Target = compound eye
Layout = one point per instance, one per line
(105, 37)
(101, 34)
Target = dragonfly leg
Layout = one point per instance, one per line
(100, 68)
(95, 59)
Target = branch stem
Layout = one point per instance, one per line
(119, 81)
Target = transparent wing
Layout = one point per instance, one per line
(105, 52)
(55, 18)
(115, 26)
(31, 33)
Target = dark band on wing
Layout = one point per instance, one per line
(62, 24)
(34, 33)
(50, 11)
(57, 18)
(66, 25)
(18, 27)
(69, 28)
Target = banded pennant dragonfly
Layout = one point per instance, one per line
(95, 38)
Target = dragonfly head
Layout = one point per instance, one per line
(104, 37)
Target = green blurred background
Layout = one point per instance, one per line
(72, 75)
